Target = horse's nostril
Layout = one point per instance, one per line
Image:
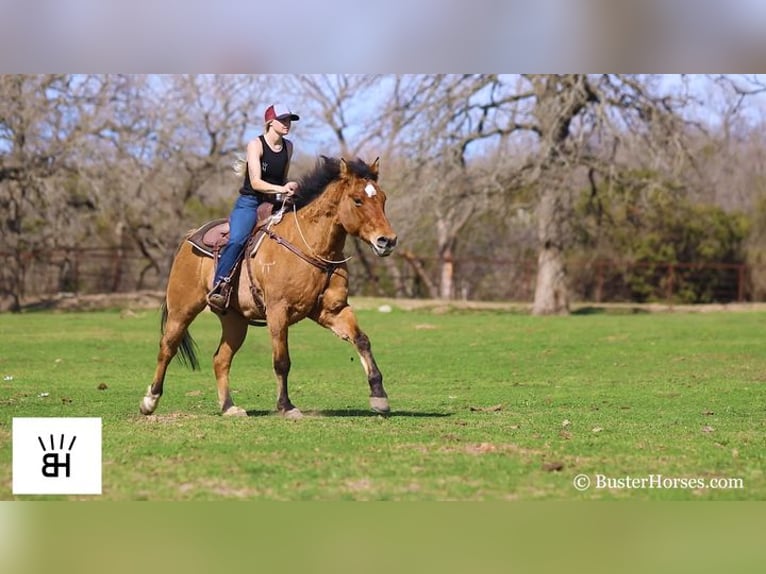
(386, 242)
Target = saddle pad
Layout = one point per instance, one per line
(211, 236)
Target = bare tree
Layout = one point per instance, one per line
(122, 160)
(173, 172)
(441, 124)
(47, 123)
(566, 123)
(337, 104)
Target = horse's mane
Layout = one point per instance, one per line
(326, 170)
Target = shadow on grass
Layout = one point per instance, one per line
(352, 413)
(255, 413)
(369, 413)
(592, 310)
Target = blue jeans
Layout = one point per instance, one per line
(241, 222)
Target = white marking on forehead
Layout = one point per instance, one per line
(370, 190)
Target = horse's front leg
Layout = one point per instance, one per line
(233, 333)
(342, 321)
(277, 322)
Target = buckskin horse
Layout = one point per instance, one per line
(298, 271)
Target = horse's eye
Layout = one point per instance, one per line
(357, 202)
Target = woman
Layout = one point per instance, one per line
(265, 171)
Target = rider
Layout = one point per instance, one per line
(265, 174)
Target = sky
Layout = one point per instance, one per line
(334, 36)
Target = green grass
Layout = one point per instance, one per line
(486, 405)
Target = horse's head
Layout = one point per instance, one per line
(361, 211)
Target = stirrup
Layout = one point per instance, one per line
(219, 297)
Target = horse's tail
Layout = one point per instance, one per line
(187, 349)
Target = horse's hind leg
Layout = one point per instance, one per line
(343, 323)
(174, 335)
(234, 331)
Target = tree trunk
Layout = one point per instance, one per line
(551, 293)
(400, 288)
(446, 242)
(447, 273)
(560, 100)
(420, 272)
(371, 277)
(119, 256)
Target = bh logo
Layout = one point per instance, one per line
(56, 456)
(51, 462)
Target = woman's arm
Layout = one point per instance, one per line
(254, 155)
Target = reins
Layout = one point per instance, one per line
(300, 232)
(327, 265)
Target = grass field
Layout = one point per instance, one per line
(486, 405)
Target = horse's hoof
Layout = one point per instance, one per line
(149, 402)
(146, 406)
(380, 405)
(293, 414)
(234, 411)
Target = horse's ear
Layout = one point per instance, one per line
(375, 166)
(344, 171)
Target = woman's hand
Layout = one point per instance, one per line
(290, 188)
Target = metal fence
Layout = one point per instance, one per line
(77, 270)
(104, 270)
(597, 281)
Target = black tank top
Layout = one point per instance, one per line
(272, 168)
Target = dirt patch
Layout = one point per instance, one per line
(169, 418)
(219, 489)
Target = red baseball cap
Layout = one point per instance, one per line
(279, 112)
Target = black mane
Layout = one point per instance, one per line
(326, 170)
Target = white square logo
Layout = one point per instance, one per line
(56, 455)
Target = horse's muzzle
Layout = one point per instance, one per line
(383, 246)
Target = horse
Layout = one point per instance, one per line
(298, 271)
